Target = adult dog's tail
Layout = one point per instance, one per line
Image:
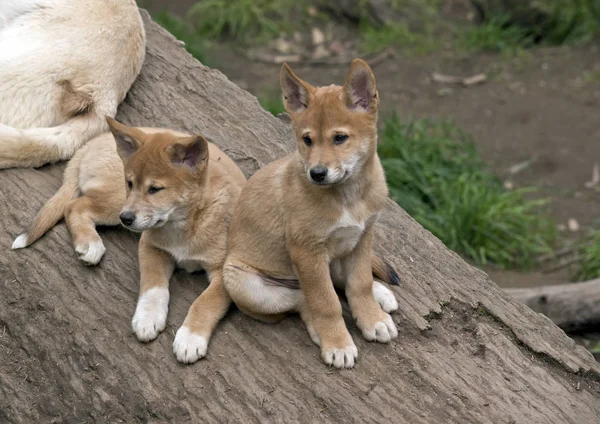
(384, 271)
(34, 147)
(54, 209)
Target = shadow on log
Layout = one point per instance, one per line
(467, 351)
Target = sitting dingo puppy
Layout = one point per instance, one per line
(64, 65)
(309, 218)
(180, 193)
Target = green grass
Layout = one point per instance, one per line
(271, 102)
(589, 258)
(592, 76)
(558, 22)
(241, 20)
(397, 35)
(569, 21)
(412, 32)
(194, 42)
(496, 36)
(435, 173)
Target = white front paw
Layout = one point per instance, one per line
(340, 357)
(188, 347)
(382, 331)
(91, 253)
(150, 316)
(385, 297)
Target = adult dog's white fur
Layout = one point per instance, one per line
(64, 66)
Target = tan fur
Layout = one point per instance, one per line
(199, 200)
(64, 65)
(92, 194)
(73, 102)
(184, 224)
(286, 227)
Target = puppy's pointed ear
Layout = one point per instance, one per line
(296, 93)
(191, 152)
(128, 139)
(360, 90)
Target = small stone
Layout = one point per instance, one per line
(573, 225)
(320, 52)
(318, 37)
(336, 47)
(445, 91)
(283, 46)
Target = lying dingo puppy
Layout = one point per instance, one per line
(309, 217)
(181, 192)
(64, 65)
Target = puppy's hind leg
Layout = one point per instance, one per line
(264, 299)
(96, 207)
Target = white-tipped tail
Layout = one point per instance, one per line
(20, 242)
(54, 209)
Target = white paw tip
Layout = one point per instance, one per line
(189, 347)
(150, 316)
(92, 253)
(341, 358)
(383, 331)
(385, 297)
(20, 242)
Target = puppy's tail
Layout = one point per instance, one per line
(384, 271)
(35, 147)
(54, 209)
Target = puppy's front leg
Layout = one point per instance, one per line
(321, 309)
(375, 324)
(191, 340)
(156, 268)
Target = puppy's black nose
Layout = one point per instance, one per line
(318, 173)
(127, 218)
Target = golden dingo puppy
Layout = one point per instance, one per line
(180, 194)
(304, 223)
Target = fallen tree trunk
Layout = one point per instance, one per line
(468, 352)
(572, 306)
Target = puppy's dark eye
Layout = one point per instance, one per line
(340, 138)
(154, 189)
(129, 185)
(307, 140)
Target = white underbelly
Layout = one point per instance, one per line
(185, 260)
